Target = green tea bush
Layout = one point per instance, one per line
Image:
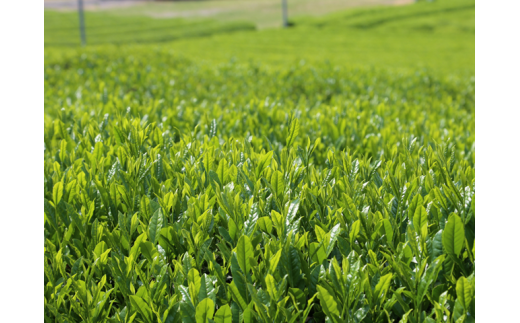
(182, 192)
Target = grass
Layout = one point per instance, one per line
(263, 13)
(438, 36)
(61, 29)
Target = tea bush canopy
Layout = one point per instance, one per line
(182, 188)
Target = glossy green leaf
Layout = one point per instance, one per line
(204, 311)
(277, 183)
(236, 296)
(292, 211)
(265, 160)
(429, 277)
(223, 315)
(265, 224)
(465, 291)
(389, 231)
(143, 308)
(244, 252)
(293, 131)
(328, 303)
(453, 235)
(273, 261)
(354, 231)
(382, 287)
(271, 287)
(57, 193)
(155, 226)
(420, 218)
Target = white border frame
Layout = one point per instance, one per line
(497, 71)
(22, 95)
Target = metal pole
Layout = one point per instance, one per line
(284, 13)
(81, 23)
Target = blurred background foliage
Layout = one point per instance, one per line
(438, 35)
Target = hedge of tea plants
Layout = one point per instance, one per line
(177, 191)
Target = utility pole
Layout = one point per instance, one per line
(81, 23)
(284, 14)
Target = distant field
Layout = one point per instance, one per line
(438, 35)
(61, 29)
(262, 13)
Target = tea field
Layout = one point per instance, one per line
(261, 187)
(438, 36)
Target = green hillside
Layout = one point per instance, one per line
(439, 35)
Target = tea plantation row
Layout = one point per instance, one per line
(182, 192)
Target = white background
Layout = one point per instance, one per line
(21, 160)
(497, 59)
